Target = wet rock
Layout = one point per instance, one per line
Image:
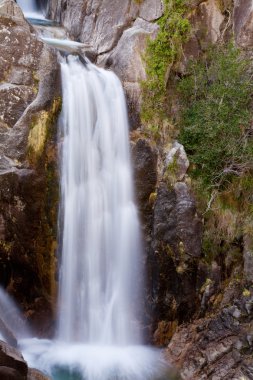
(29, 103)
(176, 244)
(12, 363)
(144, 158)
(7, 373)
(34, 374)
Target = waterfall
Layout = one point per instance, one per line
(100, 239)
(98, 334)
(11, 317)
(31, 8)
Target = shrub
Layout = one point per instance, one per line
(216, 119)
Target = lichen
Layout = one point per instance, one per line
(40, 130)
(38, 133)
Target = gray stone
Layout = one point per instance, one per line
(10, 357)
(28, 91)
(151, 10)
(127, 61)
(177, 160)
(243, 22)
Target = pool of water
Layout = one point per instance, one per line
(64, 361)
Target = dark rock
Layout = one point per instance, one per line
(10, 357)
(176, 248)
(7, 334)
(7, 373)
(144, 158)
(28, 181)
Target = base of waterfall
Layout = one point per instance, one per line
(64, 361)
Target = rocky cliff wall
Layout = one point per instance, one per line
(29, 107)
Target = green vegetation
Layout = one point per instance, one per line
(217, 133)
(160, 55)
(216, 127)
(214, 123)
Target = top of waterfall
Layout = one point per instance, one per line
(66, 45)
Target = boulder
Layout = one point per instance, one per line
(176, 162)
(12, 363)
(7, 373)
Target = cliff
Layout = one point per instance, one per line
(29, 107)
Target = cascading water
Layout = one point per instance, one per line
(31, 8)
(12, 317)
(98, 335)
(101, 243)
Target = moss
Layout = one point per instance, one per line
(152, 198)
(38, 133)
(171, 171)
(43, 154)
(161, 54)
(41, 129)
(246, 293)
(6, 247)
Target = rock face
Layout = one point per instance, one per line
(176, 246)
(116, 32)
(172, 232)
(29, 104)
(14, 367)
(12, 364)
(218, 347)
(243, 23)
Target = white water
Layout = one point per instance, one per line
(12, 316)
(101, 241)
(30, 9)
(64, 45)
